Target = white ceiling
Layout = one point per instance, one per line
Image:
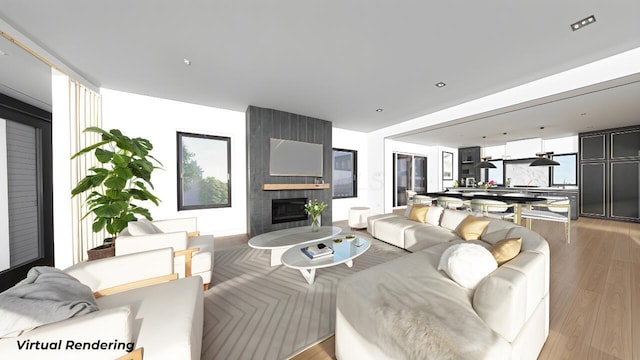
(340, 60)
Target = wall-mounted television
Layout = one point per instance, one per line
(295, 158)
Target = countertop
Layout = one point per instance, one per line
(517, 189)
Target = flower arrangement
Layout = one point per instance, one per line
(314, 208)
(489, 184)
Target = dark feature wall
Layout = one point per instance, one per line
(262, 125)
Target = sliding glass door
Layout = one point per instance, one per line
(410, 173)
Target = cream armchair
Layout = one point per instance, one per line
(194, 252)
(142, 314)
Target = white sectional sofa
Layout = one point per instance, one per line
(407, 308)
(165, 320)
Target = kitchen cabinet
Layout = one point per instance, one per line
(592, 189)
(468, 158)
(610, 174)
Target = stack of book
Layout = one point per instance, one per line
(315, 252)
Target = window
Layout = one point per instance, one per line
(565, 173)
(204, 171)
(497, 174)
(26, 188)
(345, 178)
(410, 173)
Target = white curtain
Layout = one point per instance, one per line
(79, 108)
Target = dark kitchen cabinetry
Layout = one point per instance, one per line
(468, 158)
(610, 174)
(592, 189)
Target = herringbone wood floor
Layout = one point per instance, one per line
(595, 293)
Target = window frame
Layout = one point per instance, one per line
(354, 172)
(575, 170)
(179, 136)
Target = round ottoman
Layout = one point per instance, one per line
(358, 217)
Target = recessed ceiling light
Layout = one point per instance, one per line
(582, 23)
(379, 110)
(440, 84)
(187, 62)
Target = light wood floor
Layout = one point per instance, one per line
(594, 293)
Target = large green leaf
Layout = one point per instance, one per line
(142, 211)
(89, 148)
(84, 185)
(144, 195)
(124, 172)
(97, 179)
(98, 224)
(115, 183)
(110, 210)
(104, 156)
(121, 160)
(118, 195)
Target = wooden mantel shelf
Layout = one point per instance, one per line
(295, 186)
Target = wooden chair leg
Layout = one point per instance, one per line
(206, 287)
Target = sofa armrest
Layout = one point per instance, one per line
(109, 272)
(110, 326)
(133, 244)
(189, 224)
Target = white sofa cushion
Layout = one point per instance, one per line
(167, 326)
(419, 237)
(142, 227)
(452, 218)
(467, 264)
(434, 215)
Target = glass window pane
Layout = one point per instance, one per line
(344, 173)
(204, 171)
(497, 174)
(565, 173)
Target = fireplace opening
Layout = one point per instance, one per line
(287, 210)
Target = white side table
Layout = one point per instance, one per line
(358, 217)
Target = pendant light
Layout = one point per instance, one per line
(544, 160)
(484, 164)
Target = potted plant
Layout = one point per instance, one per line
(314, 208)
(124, 177)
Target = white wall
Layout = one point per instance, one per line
(158, 120)
(561, 145)
(5, 254)
(352, 140)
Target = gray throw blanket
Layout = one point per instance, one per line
(46, 295)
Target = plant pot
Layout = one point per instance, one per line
(101, 252)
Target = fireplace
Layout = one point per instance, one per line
(287, 210)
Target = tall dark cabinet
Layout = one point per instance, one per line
(610, 174)
(468, 158)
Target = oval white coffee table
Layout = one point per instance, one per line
(343, 253)
(280, 240)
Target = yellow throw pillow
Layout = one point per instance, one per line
(419, 213)
(471, 228)
(505, 250)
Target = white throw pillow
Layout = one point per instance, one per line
(467, 264)
(407, 211)
(433, 216)
(452, 218)
(142, 227)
